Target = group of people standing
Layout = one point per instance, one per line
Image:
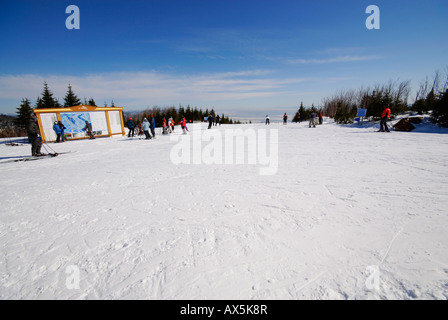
(148, 127)
(313, 117)
(213, 121)
(312, 122)
(145, 127)
(59, 128)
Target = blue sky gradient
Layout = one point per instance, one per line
(243, 57)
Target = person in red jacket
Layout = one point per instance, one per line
(165, 130)
(383, 123)
(183, 124)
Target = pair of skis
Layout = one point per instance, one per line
(33, 158)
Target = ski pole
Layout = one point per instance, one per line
(50, 147)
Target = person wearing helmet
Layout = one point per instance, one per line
(58, 131)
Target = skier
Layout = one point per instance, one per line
(164, 130)
(321, 118)
(58, 131)
(61, 125)
(285, 118)
(383, 123)
(145, 128)
(267, 119)
(312, 118)
(183, 124)
(33, 135)
(131, 127)
(218, 120)
(210, 121)
(152, 122)
(171, 124)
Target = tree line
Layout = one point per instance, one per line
(190, 114)
(431, 97)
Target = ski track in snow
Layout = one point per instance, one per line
(139, 227)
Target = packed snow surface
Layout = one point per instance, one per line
(349, 214)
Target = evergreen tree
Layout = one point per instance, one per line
(440, 112)
(71, 99)
(188, 114)
(345, 114)
(47, 100)
(419, 106)
(302, 113)
(24, 113)
(181, 111)
(430, 101)
(39, 103)
(92, 102)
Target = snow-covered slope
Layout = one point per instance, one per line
(349, 214)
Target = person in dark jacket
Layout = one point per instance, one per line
(61, 125)
(383, 123)
(152, 123)
(210, 121)
(312, 122)
(58, 131)
(131, 127)
(88, 129)
(33, 135)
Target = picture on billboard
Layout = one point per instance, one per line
(74, 123)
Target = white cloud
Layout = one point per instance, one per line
(333, 60)
(143, 89)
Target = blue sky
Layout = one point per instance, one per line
(243, 57)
